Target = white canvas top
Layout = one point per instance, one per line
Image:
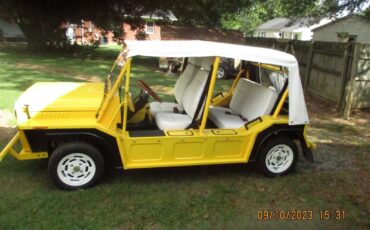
(297, 106)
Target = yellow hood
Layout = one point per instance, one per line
(61, 96)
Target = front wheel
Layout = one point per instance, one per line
(75, 166)
(278, 157)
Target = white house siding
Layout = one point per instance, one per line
(301, 34)
(352, 25)
(266, 33)
(304, 34)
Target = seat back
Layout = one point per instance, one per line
(193, 93)
(183, 81)
(252, 100)
(193, 66)
(277, 80)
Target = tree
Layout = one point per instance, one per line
(249, 17)
(207, 12)
(41, 20)
(366, 13)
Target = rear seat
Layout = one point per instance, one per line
(249, 101)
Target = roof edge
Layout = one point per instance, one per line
(341, 19)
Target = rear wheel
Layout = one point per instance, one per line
(278, 157)
(75, 166)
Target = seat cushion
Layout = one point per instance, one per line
(163, 107)
(225, 117)
(172, 121)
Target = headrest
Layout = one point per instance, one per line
(203, 62)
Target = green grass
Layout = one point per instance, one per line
(211, 197)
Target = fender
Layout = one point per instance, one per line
(41, 141)
(293, 131)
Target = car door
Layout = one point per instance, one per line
(185, 147)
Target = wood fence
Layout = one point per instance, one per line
(339, 72)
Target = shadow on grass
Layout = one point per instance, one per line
(180, 174)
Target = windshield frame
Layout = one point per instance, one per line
(109, 86)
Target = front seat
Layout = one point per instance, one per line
(190, 100)
(194, 64)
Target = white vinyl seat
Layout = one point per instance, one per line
(191, 99)
(225, 117)
(249, 101)
(162, 107)
(172, 121)
(194, 64)
(277, 80)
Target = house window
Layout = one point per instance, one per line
(149, 28)
(261, 34)
(281, 34)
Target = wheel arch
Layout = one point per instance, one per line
(293, 132)
(48, 140)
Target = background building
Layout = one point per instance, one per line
(352, 27)
(283, 28)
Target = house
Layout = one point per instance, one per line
(283, 28)
(87, 33)
(152, 29)
(351, 27)
(172, 32)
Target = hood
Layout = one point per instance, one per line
(61, 96)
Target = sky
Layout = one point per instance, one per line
(363, 7)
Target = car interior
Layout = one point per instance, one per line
(251, 99)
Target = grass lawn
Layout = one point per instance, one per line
(175, 198)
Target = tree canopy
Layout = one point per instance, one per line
(41, 20)
(249, 17)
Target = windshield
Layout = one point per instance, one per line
(115, 71)
(113, 76)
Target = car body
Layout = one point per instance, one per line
(84, 127)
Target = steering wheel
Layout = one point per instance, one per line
(147, 89)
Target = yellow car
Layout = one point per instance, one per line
(84, 127)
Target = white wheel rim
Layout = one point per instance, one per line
(76, 169)
(220, 73)
(279, 158)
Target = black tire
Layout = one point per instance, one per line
(270, 167)
(77, 169)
